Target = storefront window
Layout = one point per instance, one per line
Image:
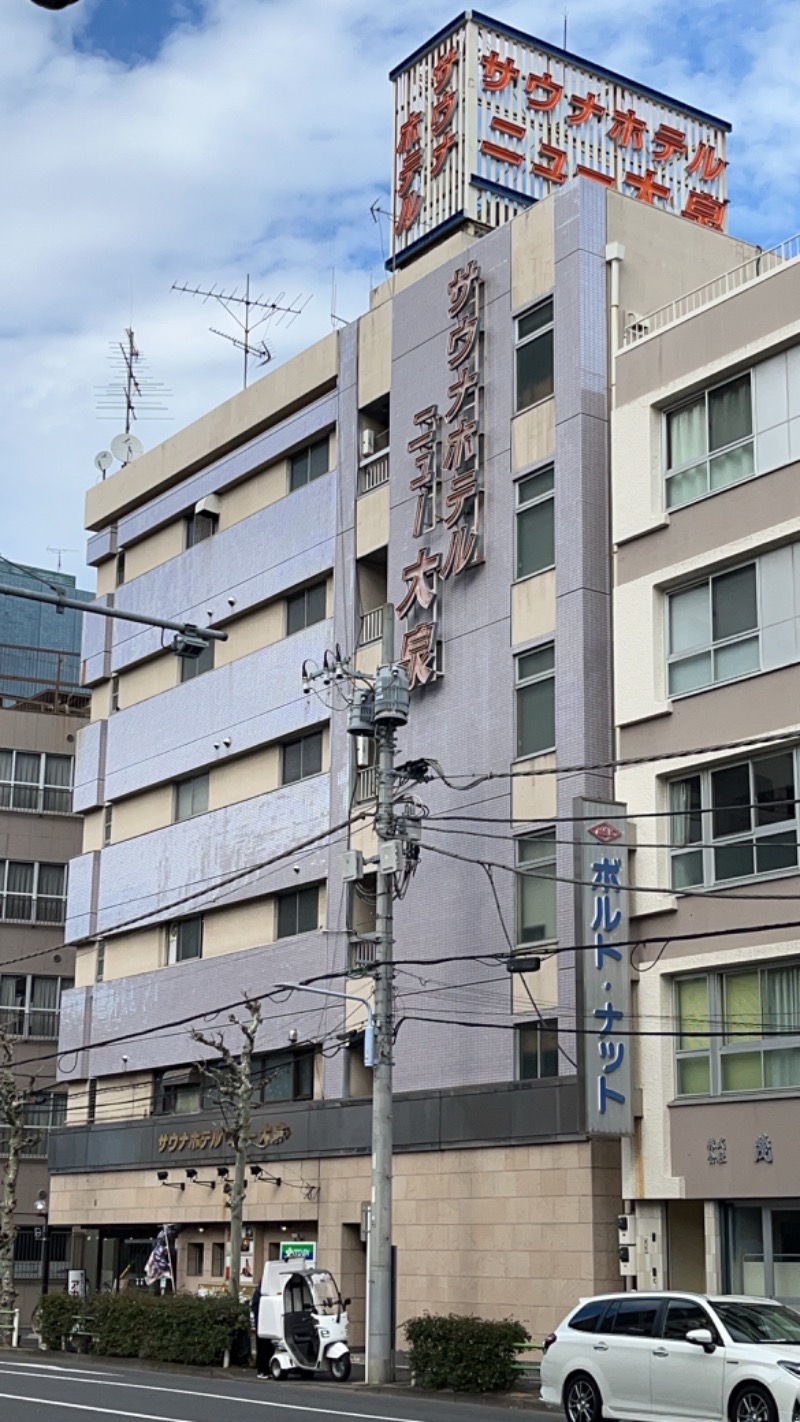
(746, 1246)
(764, 1251)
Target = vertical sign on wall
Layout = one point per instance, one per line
(605, 965)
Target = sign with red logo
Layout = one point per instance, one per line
(605, 832)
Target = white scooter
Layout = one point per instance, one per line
(302, 1312)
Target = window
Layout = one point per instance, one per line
(536, 709)
(302, 757)
(217, 1261)
(713, 631)
(186, 939)
(747, 1004)
(199, 527)
(534, 525)
(298, 912)
(534, 355)
(120, 568)
(91, 1101)
(634, 1318)
(536, 896)
(115, 693)
(108, 820)
(710, 442)
(178, 1092)
(682, 1316)
(194, 1260)
(538, 1049)
(27, 1252)
(587, 1318)
(32, 893)
(305, 608)
(191, 797)
(735, 822)
(33, 781)
(195, 666)
(29, 1006)
(283, 1076)
(309, 464)
(100, 961)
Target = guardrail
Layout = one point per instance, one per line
(373, 472)
(763, 264)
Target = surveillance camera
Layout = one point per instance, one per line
(231, 602)
(292, 1035)
(124, 1059)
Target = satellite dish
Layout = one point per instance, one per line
(126, 447)
(103, 460)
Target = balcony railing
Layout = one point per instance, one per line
(367, 784)
(361, 955)
(373, 472)
(42, 679)
(371, 629)
(30, 1022)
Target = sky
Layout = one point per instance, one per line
(152, 141)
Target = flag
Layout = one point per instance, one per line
(159, 1265)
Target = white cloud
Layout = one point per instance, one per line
(258, 141)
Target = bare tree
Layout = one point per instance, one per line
(13, 1101)
(233, 1079)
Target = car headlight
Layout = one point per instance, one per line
(791, 1366)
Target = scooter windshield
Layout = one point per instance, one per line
(325, 1291)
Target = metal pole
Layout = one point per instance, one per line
(380, 1350)
(56, 599)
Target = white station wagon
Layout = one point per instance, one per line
(675, 1356)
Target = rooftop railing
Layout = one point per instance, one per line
(42, 679)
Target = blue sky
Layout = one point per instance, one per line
(152, 140)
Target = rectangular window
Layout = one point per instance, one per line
(32, 781)
(714, 631)
(735, 822)
(535, 530)
(29, 1006)
(306, 607)
(120, 568)
(177, 1092)
(302, 757)
(536, 708)
(186, 939)
(194, 1260)
(309, 463)
(195, 666)
(758, 1049)
(217, 1261)
(199, 527)
(536, 895)
(283, 1076)
(100, 961)
(709, 442)
(537, 1044)
(32, 893)
(534, 355)
(115, 693)
(297, 912)
(108, 823)
(191, 797)
(91, 1101)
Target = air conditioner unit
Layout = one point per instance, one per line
(210, 505)
(367, 443)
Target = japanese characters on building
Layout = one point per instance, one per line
(717, 1151)
(446, 450)
(606, 969)
(488, 120)
(215, 1138)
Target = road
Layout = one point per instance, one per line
(32, 1391)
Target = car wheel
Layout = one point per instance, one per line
(340, 1367)
(275, 1369)
(582, 1400)
(753, 1403)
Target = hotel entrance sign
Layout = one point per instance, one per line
(489, 120)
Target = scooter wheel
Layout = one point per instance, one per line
(340, 1367)
(275, 1369)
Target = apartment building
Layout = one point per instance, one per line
(437, 468)
(42, 707)
(706, 442)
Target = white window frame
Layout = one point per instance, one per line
(173, 938)
(34, 895)
(522, 507)
(519, 685)
(538, 1027)
(301, 742)
(29, 1012)
(718, 1047)
(194, 781)
(709, 456)
(546, 836)
(41, 786)
(712, 647)
(519, 341)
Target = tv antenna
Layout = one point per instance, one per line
(336, 321)
(131, 392)
(257, 312)
(59, 551)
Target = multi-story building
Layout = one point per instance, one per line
(706, 443)
(445, 455)
(42, 706)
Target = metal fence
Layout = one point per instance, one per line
(361, 955)
(367, 784)
(371, 629)
(763, 264)
(42, 679)
(373, 472)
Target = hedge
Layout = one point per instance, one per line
(464, 1353)
(180, 1328)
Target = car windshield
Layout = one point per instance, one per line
(759, 1322)
(326, 1294)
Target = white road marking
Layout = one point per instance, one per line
(59, 1368)
(184, 1392)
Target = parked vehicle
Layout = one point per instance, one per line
(675, 1356)
(303, 1314)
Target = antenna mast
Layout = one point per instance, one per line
(130, 389)
(250, 322)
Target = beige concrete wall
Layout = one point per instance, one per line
(244, 777)
(442, 254)
(106, 577)
(257, 492)
(533, 435)
(532, 255)
(132, 953)
(533, 797)
(101, 702)
(369, 658)
(149, 679)
(142, 813)
(533, 607)
(542, 987)
(252, 632)
(264, 403)
(372, 521)
(93, 830)
(234, 930)
(374, 354)
(85, 963)
(158, 548)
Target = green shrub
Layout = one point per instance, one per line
(462, 1352)
(171, 1329)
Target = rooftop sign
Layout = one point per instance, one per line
(489, 120)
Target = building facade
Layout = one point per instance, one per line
(706, 439)
(434, 477)
(42, 707)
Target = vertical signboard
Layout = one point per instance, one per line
(605, 967)
(489, 120)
